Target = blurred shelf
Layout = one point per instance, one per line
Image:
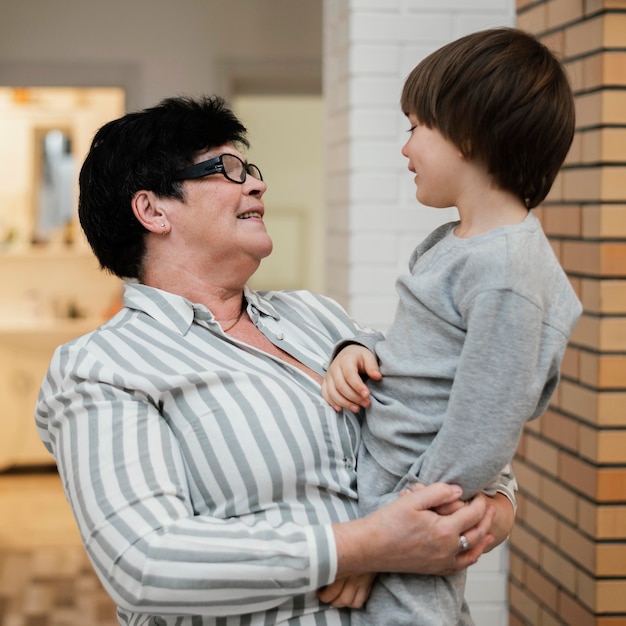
(42, 335)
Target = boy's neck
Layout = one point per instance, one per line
(497, 208)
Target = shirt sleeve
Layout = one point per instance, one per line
(124, 474)
(508, 370)
(505, 483)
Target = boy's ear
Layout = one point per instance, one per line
(465, 149)
(149, 212)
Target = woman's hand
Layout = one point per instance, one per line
(408, 536)
(351, 592)
(343, 385)
(503, 520)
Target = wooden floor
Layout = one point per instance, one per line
(45, 576)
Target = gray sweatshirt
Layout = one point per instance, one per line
(473, 353)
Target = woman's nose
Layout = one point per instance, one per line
(254, 186)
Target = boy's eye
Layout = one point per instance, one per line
(412, 129)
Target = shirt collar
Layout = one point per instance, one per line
(177, 312)
(258, 301)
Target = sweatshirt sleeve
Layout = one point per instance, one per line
(508, 370)
(367, 340)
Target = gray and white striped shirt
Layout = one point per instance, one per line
(205, 474)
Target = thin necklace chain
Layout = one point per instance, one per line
(243, 308)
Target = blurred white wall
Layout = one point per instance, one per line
(374, 220)
(286, 143)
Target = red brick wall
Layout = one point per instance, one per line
(568, 549)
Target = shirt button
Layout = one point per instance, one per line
(349, 462)
(325, 366)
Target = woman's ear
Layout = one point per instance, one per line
(149, 213)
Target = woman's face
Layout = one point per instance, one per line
(222, 221)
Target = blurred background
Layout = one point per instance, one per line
(317, 83)
(66, 68)
(69, 66)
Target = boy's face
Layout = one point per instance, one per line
(437, 163)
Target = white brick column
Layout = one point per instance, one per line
(373, 218)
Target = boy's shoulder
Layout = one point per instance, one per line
(498, 253)
(522, 261)
(432, 239)
(519, 249)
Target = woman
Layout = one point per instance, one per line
(210, 481)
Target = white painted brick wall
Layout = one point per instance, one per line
(374, 221)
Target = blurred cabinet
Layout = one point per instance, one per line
(25, 354)
(47, 297)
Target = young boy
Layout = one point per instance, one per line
(485, 315)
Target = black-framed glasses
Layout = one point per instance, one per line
(232, 167)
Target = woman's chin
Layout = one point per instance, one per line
(266, 249)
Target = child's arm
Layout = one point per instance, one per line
(351, 592)
(505, 376)
(343, 385)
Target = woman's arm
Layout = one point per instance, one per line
(128, 478)
(503, 520)
(408, 536)
(353, 591)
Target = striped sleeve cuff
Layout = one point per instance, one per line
(321, 540)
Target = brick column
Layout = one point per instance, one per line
(568, 549)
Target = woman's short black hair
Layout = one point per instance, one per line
(141, 151)
(503, 99)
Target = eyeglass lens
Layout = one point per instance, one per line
(235, 169)
(231, 166)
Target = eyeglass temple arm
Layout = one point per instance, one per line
(198, 170)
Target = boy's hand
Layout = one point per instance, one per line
(343, 385)
(351, 592)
